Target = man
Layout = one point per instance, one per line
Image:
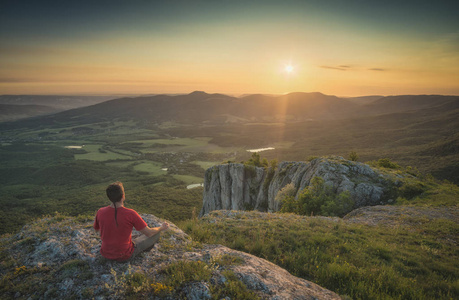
(115, 223)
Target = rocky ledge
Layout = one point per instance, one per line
(240, 187)
(58, 258)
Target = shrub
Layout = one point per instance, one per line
(411, 189)
(353, 156)
(160, 289)
(287, 191)
(289, 205)
(319, 199)
(339, 207)
(386, 163)
(255, 160)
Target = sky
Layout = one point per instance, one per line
(337, 47)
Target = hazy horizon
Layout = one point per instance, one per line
(343, 48)
(237, 95)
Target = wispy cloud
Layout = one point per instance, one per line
(339, 68)
(351, 68)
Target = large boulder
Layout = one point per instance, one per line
(239, 187)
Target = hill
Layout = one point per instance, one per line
(203, 108)
(10, 112)
(200, 107)
(393, 104)
(17, 107)
(55, 101)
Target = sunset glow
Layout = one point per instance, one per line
(93, 47)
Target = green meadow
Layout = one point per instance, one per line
(412, 259)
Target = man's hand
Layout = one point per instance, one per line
(164, 226)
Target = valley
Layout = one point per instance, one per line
(158, 146)
(60, 164)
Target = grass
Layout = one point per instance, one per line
(153, 168)
(181, 272)
(189, 179)
(94, 153)
(362, 262)
(206, 164)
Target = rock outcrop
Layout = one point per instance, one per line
(58, 258)
(239, 187)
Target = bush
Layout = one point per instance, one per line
(318, 199)
(353, 156)
(386, 163)
(287, 191)
(411, 189)
(256, 161)
(339, 207)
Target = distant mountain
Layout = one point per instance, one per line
(15, 112)
(16, 107)
(394, 104)
(364, 99)
(55, 101)
(202, 108)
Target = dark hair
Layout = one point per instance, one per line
(115, 193)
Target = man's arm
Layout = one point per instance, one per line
(152, 231)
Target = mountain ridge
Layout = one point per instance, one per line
(199, 107)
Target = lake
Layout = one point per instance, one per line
(194, 185)
(261, 149)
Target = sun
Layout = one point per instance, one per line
(288, 69)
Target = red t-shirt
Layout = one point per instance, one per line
(117, 241)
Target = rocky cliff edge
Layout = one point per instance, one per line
(240, 187)
(58, 258)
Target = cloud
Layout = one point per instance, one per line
(352, 68)
(339, 68)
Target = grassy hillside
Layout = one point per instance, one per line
(404, 257)
(403, 251)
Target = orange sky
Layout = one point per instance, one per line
(345, 49)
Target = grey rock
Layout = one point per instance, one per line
(197, 291)
(237, 187)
